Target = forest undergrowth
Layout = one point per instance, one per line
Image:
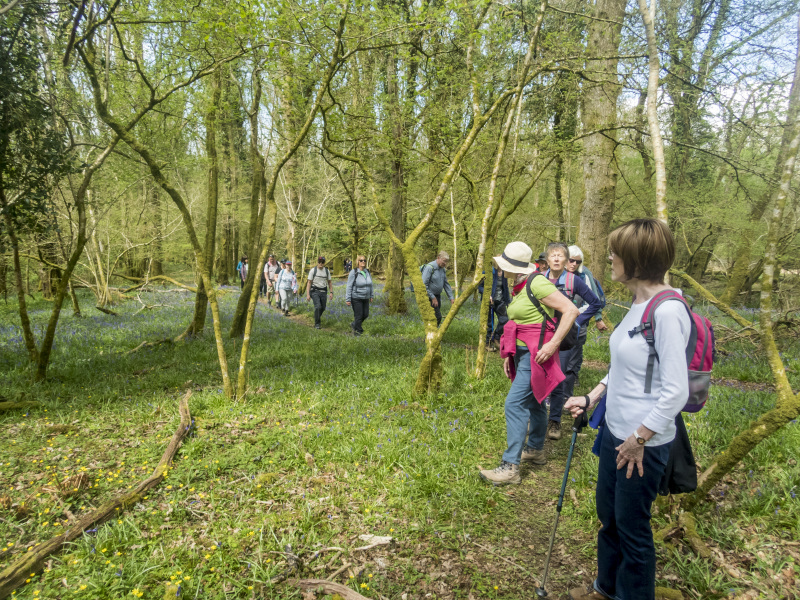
(330, 448)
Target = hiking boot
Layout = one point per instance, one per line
(586, 593)
(317, 326)
(503, 475)
(536, 457)
(493, 346)
(554, 430)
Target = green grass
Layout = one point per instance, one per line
(330, 445)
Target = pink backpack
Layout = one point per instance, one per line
(700, 350)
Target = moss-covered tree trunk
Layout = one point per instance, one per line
(599, 111)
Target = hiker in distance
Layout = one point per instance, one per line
(242, 271)
(319, 286)
(498, 306)
(271, 269)
(359, 294)
(286, 286)
(580, 294)
(434, 276)
(575, 265)
(529, 346)
(640, 425)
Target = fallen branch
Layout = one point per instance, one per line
(148, 345)
(33, 561)
(148, 306)
(18, 405)
(327, 587)
(341, 570)
(145, 280)
(107, 311)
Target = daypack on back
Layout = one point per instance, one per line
(700, 350)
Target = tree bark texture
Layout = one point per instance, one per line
(394, 289)
(654, 69)
(600, 112)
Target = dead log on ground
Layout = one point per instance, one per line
(107, 311)
(148, 345)
(327, 587)
(33, 561)
(18, 405)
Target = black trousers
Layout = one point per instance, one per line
(437, 310)
(499, 309)
(262, 288)
(360, 314)
(320, 300)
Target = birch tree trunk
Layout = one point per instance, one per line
(648, 18)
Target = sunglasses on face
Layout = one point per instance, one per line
(576, 261)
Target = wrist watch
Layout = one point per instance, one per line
(639, 439)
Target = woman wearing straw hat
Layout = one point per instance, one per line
(535, 373)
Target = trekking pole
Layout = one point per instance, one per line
(577, 425)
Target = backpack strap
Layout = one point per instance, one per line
(647, 328)
(535, 301)
(569, 285)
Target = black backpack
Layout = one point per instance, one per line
(571, 339)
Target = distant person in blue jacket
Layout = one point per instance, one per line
(580, 294)
(434, 276)
(499, 300)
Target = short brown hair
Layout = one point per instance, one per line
(560, 246)
(646, 248)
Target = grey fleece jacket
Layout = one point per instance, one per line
(359, 286)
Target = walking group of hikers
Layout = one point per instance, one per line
(539, 316)
(280, 280)
(655, 373)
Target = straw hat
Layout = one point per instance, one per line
(516, 258)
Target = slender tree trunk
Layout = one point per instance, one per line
(599, 112)
(394, 290)
(201, 299)
(27, 330)
(648, 16)
(256, 210)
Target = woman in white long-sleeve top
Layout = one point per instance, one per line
(640, 425)
(359, 294)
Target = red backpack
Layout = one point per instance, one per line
(700, 350)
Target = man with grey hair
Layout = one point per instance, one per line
(434, 276)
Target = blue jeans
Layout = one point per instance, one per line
(571, 361)
(626, 554)
(522, 407)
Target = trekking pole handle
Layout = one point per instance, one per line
(582, 420)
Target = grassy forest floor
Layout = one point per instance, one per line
(331, 446)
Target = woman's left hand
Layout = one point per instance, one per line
(630, 453)
(546, 351)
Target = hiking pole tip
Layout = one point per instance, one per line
(541, 593)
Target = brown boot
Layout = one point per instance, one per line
(586, 593)
(554, 430)
(537, 457)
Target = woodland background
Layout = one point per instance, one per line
(145, 147)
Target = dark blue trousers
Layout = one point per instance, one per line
(626, 554)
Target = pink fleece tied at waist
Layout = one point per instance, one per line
(544, 377)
